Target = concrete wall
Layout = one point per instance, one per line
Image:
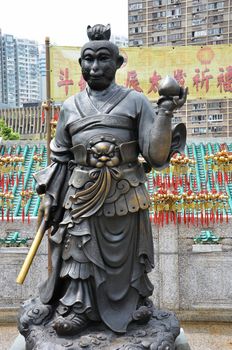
(195, 282)
(197, 285)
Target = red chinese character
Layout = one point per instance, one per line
(64, 80)
(82, 83)
(154, 80)
(180, 76)
(201, 80)
(132, 81)
(225, 79)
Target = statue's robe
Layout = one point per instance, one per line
(101, 242)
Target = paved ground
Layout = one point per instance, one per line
(201, 336)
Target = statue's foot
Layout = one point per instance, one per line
(70, 325)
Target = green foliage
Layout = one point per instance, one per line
(7, 133)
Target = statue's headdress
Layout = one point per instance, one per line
(99, 36)
(99, 32)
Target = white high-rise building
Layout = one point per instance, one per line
(19, 72)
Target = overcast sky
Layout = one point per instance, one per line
(64, 22)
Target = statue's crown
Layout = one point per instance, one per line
(99, 32)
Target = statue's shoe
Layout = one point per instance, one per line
(70, 325)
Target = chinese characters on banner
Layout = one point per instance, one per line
(207, 71)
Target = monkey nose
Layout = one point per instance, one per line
(104, 158)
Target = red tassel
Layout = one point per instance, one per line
(7, 184)
(219, 177)
(12, 216)
(202, 218)
(167, 217)
(213, 182)
(179, 218)
(155, 217)
(189, 218)
(192, 218)
(227, 217)
(154, 182)
(217, 216)
(162, 218)
(221, 217)
(174, 217)
(8, 215)
(212, 216)
(3, 180)
(195, 183)
(207, 218)
(169, 183)
(43, 117)
(185, 219)
(180, 181)
(159, 218)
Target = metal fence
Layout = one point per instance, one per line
(29, 122)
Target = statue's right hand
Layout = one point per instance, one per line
(45, 209)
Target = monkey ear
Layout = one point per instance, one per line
(79, 61)
(120, 61)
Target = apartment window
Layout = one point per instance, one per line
(198, 21)
(172, 25)
(199, 130)
(174, 12)
(160, 38)
(214, 105)
(135, 19)
(216, 19)
(215, 117)
(159, 14)
(215, 31)
(216, 5)
(215, 128)
(198, 33)
(198, 118)
(175, 37)
(137, 6)
(160, 26)
(159, 2)
(136, 42)
(176, 119)
(198, 106)
(136, 30)
(199, 8)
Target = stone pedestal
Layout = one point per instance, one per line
(35, 324)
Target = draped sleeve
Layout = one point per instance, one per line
(53, 179)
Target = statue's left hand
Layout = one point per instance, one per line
(169, 103)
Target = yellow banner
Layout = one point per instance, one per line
(206, 70)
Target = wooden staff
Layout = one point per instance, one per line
(32, 252)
